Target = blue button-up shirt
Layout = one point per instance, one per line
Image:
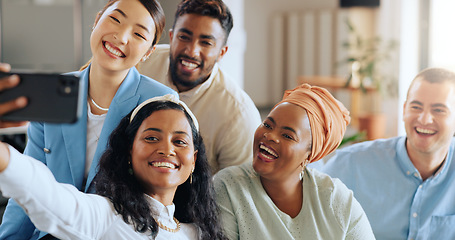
(398, 203)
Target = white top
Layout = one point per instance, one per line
(94, 126)
(66, 213)
(329, 209)
(227, 116)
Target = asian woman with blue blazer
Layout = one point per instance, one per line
(125, 32)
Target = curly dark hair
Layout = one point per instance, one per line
(194, 203)
(211, 8)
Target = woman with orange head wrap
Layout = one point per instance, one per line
(277, 197)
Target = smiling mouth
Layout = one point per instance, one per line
(164, 165)
(425, 131)
(267, 152)
(189, 65)
(113, 50)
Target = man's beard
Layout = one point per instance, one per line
(179, 80)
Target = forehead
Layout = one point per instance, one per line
(134, 10)
(171, 120)
(432, 93)
(290, 115)
(199, 25)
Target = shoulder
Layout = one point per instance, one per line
(325, 184)
(331, 191)
(368, 150)
(161, 53)
(225, 92)
(157, 66)
(147, 83)
(235, 175)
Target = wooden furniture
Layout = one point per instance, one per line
(334, 84)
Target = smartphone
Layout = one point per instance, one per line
(52, 97)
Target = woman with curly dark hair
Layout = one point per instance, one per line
(154, 182)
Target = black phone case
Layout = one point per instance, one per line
(52, 97)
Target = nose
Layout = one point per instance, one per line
(193, 49)
(121, 36)
(426, 117)
(166, 150)
(269, 136)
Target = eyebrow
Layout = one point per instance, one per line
(286, 128)
(204, 36)
(159, 130)
(126, 16)
(432, 105)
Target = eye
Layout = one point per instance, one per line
(266, 125)
(139, 35)
(151, 139)
(115, 19)
(207, 43)
(288, 136)
(439, 110)
(183, 37)
(416, 107)
(180, 142)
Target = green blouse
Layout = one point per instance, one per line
(329, 209)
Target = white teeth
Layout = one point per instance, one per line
(425, 131)
(268, 150)
(189, 64)
(163, 164)
(113, 51)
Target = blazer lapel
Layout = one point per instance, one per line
(75, 137)
(125, 100)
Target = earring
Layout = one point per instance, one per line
(191, 176)
(130, 169)
(144, 58)
(303, 168)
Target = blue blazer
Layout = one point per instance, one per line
(67, 145)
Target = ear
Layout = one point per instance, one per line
(404, 108)
(195, 158)
(222, 52)
(150, 51)
(171, 34)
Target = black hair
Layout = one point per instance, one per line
(194, 202)
(211, 8)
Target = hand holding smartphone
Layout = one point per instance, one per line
(51, 97)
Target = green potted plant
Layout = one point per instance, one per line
(367, 59)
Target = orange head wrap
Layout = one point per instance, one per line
(328, 117)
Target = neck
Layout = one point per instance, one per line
(102, 87)
(287, 194)
(427, 163)
(166, 197)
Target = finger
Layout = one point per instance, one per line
(5, 67)
(9, 82)
(7, 124)
(13, 105)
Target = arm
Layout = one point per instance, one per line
(235, 145)
(57, 208)
(350, 214)
(5, 83)
(227, 215)
(16, 224)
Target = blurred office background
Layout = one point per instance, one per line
(273, 43)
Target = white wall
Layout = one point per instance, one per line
(233, 61)
(258, 26)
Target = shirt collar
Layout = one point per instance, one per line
(196, 90)
(408, 167)
(163, 213)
